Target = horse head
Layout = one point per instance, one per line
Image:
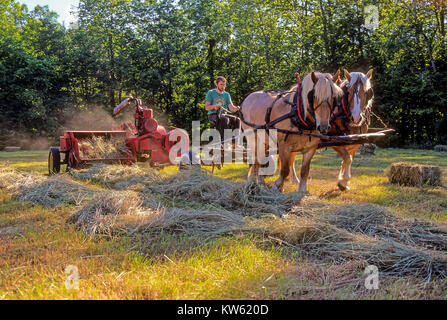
(359, 95)
(321, 95)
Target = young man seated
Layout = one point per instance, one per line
(218, 104)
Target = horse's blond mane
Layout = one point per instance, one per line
(358, 76)
(322, 89)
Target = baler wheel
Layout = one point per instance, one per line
(54, 161)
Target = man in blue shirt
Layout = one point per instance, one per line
(218, 104)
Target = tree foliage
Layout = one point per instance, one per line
(169, 52)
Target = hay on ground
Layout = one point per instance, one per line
(194, 185)
(39, 190)
(55, 191)
(202, 221)
(102, 213)
(318, 238)
(119, 177)
(410, 174)
(12, 179)
(376, 221)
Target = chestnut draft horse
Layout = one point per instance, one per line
(349, 117)
(358, 96)
(319, 95)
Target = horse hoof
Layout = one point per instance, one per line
(342, 187)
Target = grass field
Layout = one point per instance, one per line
(37, 244)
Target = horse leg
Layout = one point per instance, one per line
(305, 167)
(347, 174)
(251, 175)
(345, 170)
(292, 173)
(284, 158)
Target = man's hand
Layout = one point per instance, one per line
(234, 108)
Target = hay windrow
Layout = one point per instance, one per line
(119, 177)
(39, 190)
(318, 238)
(12, 179)
(208, 222)
(376, 221)
(194, 185)
(55, 191)
(101, 214)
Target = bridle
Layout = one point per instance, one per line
(343, 105)
(311, 96)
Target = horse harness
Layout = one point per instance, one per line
(296, 115)
(344, 113)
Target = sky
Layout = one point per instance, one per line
(62, 7)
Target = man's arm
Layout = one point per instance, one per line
(231, 107)
(209, 106)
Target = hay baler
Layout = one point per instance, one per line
(144, 140)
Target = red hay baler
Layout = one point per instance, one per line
(145, 140)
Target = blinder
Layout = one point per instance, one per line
(310, 97)
(369, 94)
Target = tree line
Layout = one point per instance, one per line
(168, 52)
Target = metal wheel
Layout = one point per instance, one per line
(54, 161)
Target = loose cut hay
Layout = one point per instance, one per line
(316, 237)
(376, 221)
(203, 221)
(102, 213)
(39, 190)
(194, 185)
(119, 177)
(12, 179)
(410, 174)
(100, 147)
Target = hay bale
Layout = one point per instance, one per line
(411, 174)
(440, 148)
(367, 149)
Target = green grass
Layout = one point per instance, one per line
(36, 245)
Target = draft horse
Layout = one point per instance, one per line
(350, 116)
(298, 115)
(358, 97)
